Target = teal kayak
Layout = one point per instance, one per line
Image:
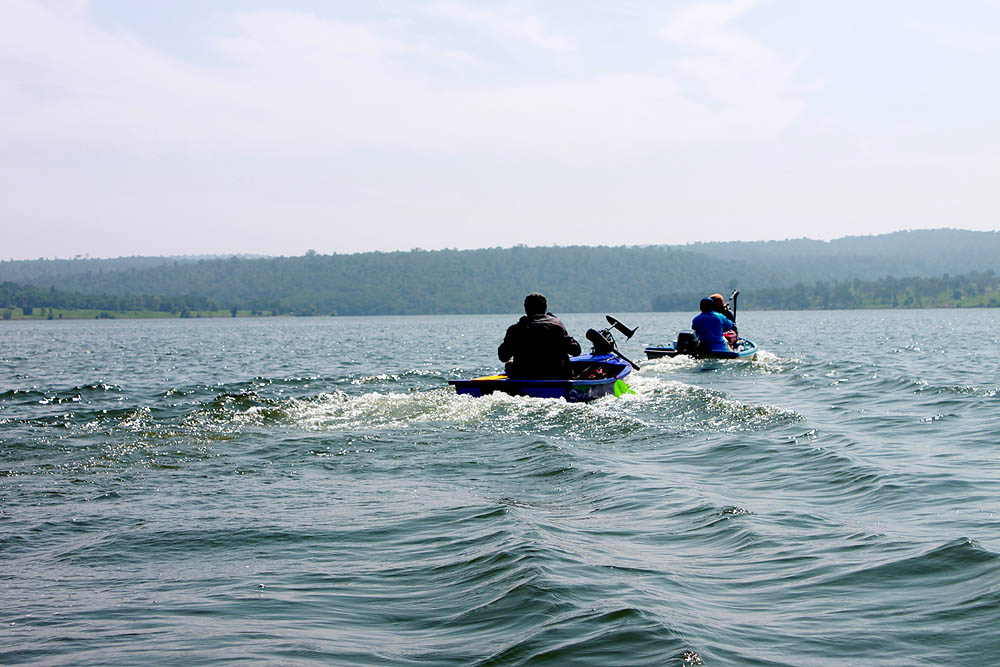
(744, 349)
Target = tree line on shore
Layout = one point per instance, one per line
(974, 289)
(52, 303)
(970, 290)
(798, 273)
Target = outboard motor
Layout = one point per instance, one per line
(602, 341)
(687, 341)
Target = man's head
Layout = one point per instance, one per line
(535, 304)
(707, 305)
(717, 298)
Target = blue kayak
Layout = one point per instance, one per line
(592, 376)
(687, 344)
(744, 348)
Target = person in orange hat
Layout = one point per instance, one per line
(721, 306)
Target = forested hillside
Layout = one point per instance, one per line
(39, 271)
(971, 290)
(576, 279)
(914, 253)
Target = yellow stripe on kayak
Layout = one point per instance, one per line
(491, 377)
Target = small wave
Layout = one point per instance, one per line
(732, 510)
(140, 419)
(768, 363)
(691, 408)
(918, 385)
(97, 387)
(60, 400)
(719, 527)
(809, 463)
(670, 363)
(609, 636)
(375, 410)
(496, 412)
(239, 398)
(21, 394)
(763, 363)
(230, 411)
(961, 390)
(142, 544)
(389, 378)
(959, 562)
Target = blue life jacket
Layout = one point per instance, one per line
(709, 327)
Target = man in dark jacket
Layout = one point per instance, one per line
(538, 342)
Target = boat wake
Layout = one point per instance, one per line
(763, 363)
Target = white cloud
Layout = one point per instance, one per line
(409, 122)
(728, 65)
(522, 27)
(298, 83)
(953, 36)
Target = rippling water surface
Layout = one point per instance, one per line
(312, 490)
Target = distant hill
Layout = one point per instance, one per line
(576, 278)
(50, 271)
(910, 253)
(969, 290)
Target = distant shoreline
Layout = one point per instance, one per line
(907, 269)
(17, 314)
(212, 315)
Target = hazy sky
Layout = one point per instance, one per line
(161, 127)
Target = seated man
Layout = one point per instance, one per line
(539, 344)
(710, 326)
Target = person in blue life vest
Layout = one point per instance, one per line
(710, 325)
(537, 346)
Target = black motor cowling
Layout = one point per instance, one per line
(602, 341)
(687, 341)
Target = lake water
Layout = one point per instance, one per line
(312, 490)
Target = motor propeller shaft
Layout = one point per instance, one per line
(624, 330)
